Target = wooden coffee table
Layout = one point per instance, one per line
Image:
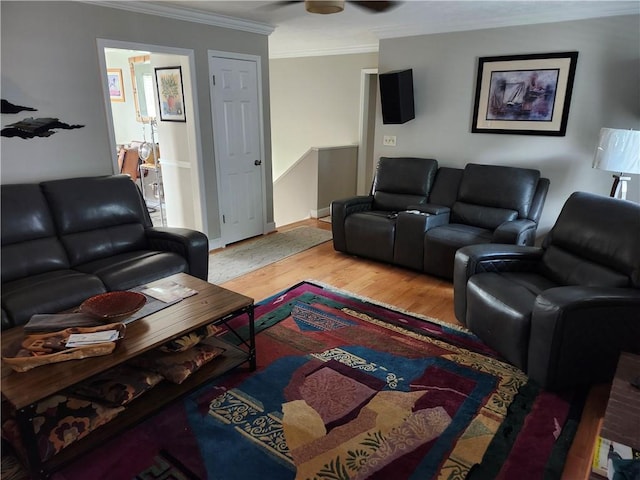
(212, 304)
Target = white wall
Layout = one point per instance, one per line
(126, 127)
(50, 62)
(605, 94)
(315, 102)
(177, 148)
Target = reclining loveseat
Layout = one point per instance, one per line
(64, 241)
(418, 215)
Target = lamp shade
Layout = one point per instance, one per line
(618, 151)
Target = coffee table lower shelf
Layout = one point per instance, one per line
(149, 403)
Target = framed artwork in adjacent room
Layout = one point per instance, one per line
(170, 94)
(524, 94)
(116, 87)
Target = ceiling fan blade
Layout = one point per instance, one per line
(376, 6)
(279, 4)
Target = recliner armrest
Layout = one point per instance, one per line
(516, 232)
(430, 208)
(578, 332)
(340, 210)
(191, 244)
(347, 206)
(491, 257)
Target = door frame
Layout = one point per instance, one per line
(254, 58)
(368, 81)
(197, 166)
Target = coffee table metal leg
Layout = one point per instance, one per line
(252, 339)
(250, 342)
(24, 418)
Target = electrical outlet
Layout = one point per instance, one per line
(389, 140)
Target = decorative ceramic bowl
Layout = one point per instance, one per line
(113, 306)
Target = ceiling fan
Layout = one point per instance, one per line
(336, 6)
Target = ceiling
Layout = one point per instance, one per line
(355, 30)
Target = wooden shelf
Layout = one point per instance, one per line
(159, 396)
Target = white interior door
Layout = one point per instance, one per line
(235, 110)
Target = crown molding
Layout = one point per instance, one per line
(539, 17)
(320, 52)
(188, 15)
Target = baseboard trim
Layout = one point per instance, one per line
(323, 212)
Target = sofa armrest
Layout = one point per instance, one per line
(411, 225)
(491, 257)
(516, 232)
(6, 321)
(578, 332)
(190, 244)
(431, 208)
(340, 210)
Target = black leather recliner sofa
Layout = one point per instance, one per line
(563, 312)
(417, 215)
(64, 241)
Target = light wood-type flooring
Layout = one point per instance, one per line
(408, 290)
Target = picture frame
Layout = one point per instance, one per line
(524, 94)
(170, 94)
(116, 85)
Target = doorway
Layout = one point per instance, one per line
(367, 128)
(178, 179)
(236, 107)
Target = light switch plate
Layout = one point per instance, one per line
(389, 140)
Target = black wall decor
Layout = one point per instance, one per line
(35, 127)
(8, 107)
(31, 127)
(396, 96)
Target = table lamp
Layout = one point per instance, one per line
(618, 151)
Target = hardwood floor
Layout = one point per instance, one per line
(416, 292)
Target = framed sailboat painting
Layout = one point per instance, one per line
(524, 94)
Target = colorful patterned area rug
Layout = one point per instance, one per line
(350, 389)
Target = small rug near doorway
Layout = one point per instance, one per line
(347, 388)
(248, 256)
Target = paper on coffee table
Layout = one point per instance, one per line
(79, 339)
(169, 291)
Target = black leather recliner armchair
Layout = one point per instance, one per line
(562, 312)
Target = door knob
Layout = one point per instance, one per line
(257, 162)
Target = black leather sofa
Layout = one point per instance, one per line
(562, 312)
(417, 215)
(64, 241)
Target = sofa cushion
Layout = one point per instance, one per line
(128, 270)
(97, 217)
(400, 182)
(371, 235)
(481, 216)
(29, 242)
(509, 299)
(457, 235)
(50, 292)
(511, 188)
(191, 339)
(117, 386)
(58, 422)
(177, 367)
(568, 268)
(441, 244)
(609, 240)
(445, 187)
